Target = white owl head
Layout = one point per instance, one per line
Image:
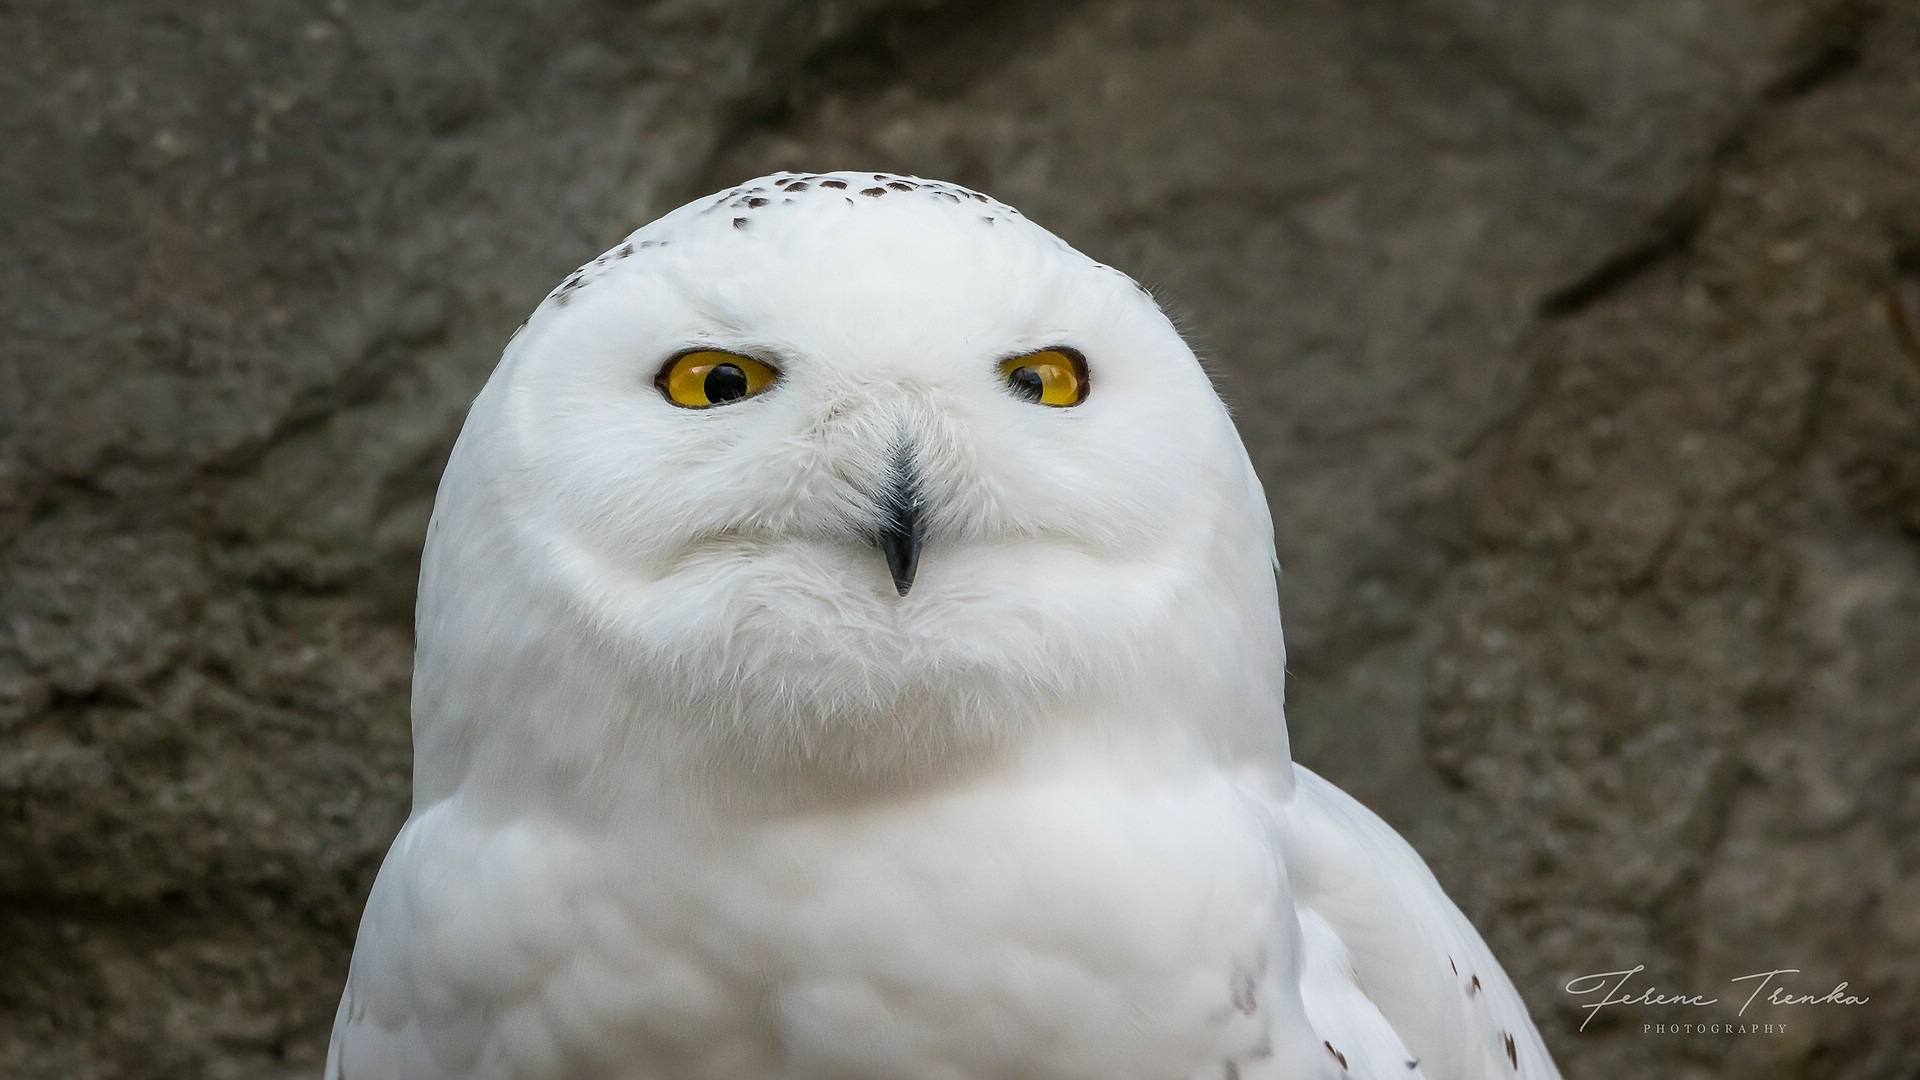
(849, 476)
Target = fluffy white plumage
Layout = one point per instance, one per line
(700, 794)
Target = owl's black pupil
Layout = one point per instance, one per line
(726, 382)
(1026, 382)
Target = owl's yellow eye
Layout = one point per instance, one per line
(1056, 377)
(707, 377)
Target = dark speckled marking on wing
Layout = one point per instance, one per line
(1245, 994)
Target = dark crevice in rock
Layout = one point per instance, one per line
(1671, 233)
(1903, 298)
(939, 49)
(1830, 49)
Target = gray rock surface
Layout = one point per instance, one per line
(1566, 336)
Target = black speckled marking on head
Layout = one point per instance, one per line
(573, 281)
(1513, 1053)
(1337, 1055)
(1474, 986)
(1450, 964)
(741, 201)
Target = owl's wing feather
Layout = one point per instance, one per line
(1353, 1032)
(467, 923)
(1371, 909)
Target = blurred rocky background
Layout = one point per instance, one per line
(1578, 343)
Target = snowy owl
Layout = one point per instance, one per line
(848, 649)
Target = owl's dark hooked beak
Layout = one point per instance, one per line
(902, 526)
